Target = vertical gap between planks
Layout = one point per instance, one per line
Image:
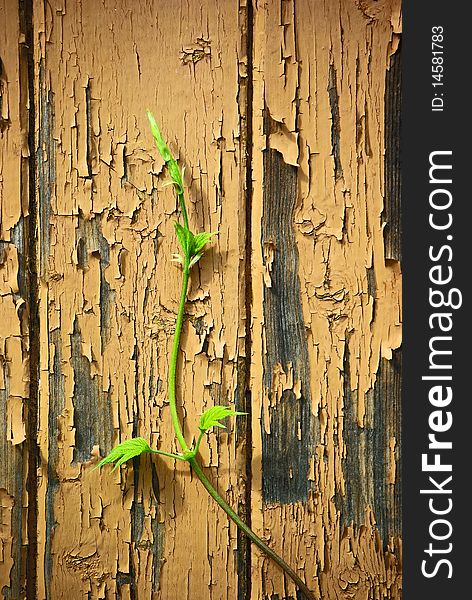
(25, 8)
(248, 283)
(245, 426)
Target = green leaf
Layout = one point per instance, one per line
(192, 245)
(185, 237)
(166, 154)
(212, 417)
(124, 451)
(195, 259)
(175, 175)
(160, 143)
(200, 240)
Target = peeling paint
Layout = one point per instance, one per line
(288, 430)
(372, 453)
(93, 422)
(109, 294)
(321, 71)
(285, 115)
(14, 335)
(335, 122)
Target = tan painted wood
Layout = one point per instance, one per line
(109, 292)
(322, 284)
(318, 276)
(14, 342)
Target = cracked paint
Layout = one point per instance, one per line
(284, 115)
(14, 335)
(320, 76)
(109, 294)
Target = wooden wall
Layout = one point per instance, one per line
(285, 115)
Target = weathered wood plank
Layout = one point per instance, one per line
(322, 294)
(109, 292)
(14, 340)
(326, 305)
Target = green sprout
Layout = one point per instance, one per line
(192, 246)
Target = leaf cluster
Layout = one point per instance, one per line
(136, 446)
(192, 244)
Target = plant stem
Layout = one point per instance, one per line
(183, 209)
(191, 254)
(248, 531)
(168, 454)
(175, 355)
(190, 455)
(197, 445)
